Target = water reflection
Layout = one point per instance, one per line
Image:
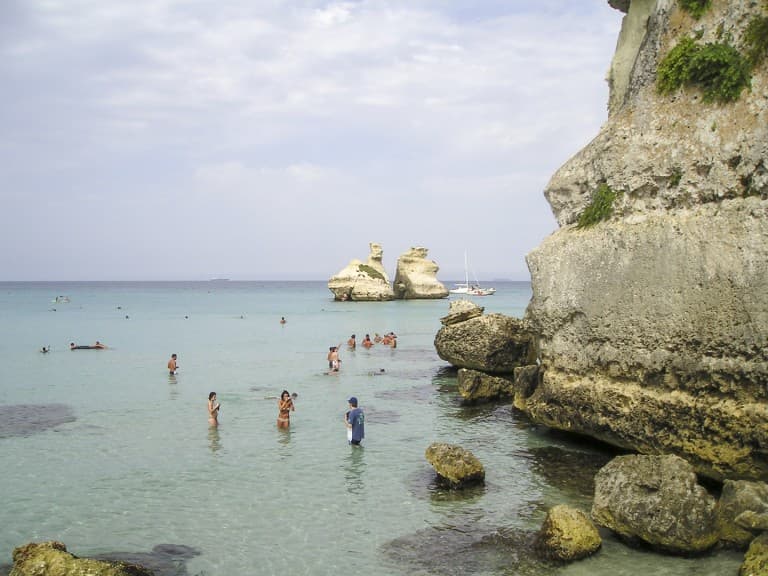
(173, 390)
(284, 440)
(353, 471)
(214, 439)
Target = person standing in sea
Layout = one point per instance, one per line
(213, 409)
(355, 421)
(284, 407)
(172, 365)
(334, 362)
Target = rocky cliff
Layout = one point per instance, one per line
(650, 302)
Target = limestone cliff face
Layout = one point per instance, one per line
(360, 281)
(653, 325)
(416, 277)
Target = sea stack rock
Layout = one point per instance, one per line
(416, 277)
(363, 282)
(650, 302)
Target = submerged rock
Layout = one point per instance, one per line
(52, 559)
(466, 548)
(26, 419)
(454, 465)
(416, 277)
(567, 534)
(655, 500)
(363, 281)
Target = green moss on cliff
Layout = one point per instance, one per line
(717, 68)
(600, 208)
(695, 8)
(372, 272)
(675, 177)
(756, 40)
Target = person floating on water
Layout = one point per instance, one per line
(97, 346)
(173, 366)
(282, 320)
(355, 421)
(284, 407)
(45, 349)
(213, 409)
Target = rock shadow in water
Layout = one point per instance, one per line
(424, 484)
(572, 471)
(28, 419)
(468, 549)
(163, 560)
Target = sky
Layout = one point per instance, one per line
(273, 139)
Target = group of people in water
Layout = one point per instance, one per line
(354, 418)
(389, 339)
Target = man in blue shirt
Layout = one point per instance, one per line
(355, 421)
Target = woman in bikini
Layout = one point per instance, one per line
(213, 409)
(284, 407)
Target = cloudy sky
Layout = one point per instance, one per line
(275, 139)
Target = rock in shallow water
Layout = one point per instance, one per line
(52, 559)
(455, 465)
(567, 534)
(655, 500)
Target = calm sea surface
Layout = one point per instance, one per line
(105, 451)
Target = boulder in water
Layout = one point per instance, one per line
(567, 534)
(52, 559)
(455, 466)
(655, 500)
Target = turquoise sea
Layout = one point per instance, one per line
(104, 451)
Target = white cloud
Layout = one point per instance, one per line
(295, 103)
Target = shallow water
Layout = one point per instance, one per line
(105, 451)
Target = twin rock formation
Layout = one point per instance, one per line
(415, 278)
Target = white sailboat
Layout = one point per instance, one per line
(468, 289)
